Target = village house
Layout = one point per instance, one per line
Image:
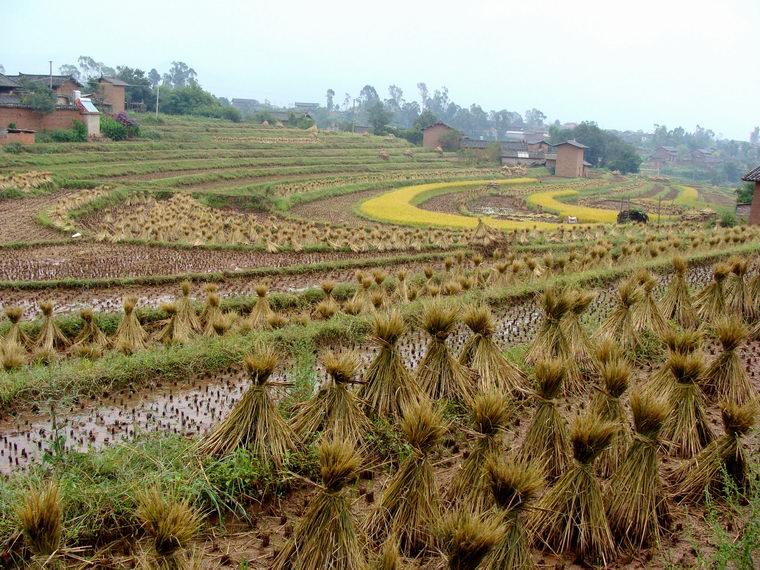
(754, 211)
(70, 106)
(569, 161)
(111, 95)
(662, 156)
(432, 135)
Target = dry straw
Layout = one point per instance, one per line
(211, 313)
(546, 441)
(50, 338)
(40, 516)
(676, 303)
(16, 335)
(710, 302)
(410, 505)
(259, 317)
(637, 509)
(571, 517)
(619, 326)
(335, 410)
(606, 404)
(171, 524)
(439, 374)
(186, 316)
(389, 389)
(174, 330)
(726, 378)
(687, 428)
(90, 337)
(646, 314)
(466, 539)
(327, 535)
(580, 343)
(725, 456)
(738, 294)
(514, 486)
(130, 335)
(490, 417)
(254, 423)
(481, 354)
(552, 341)
(684, 342)
(389, 557)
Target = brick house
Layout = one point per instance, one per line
(754, 211)
(570, 161)
(431, 136)
(111, 92)
(66, 89)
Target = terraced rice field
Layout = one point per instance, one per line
(151, 289)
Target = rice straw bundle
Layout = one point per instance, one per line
(710, 302)
(687, 428)
(389, 389)
(738, 295)
(401, 289)
(481, 354)
(550, 340)
(186, 317)
(606, 404)
(16, 335)
(571, 517)
(466, 540)
(439, 374)
(637, 509)
(50, 338)
(211, 312)
(334, 410)
(259, 317)
(255, 422)
(40, 517)
(490, 417)
(90, 341)
(389, 558)
(13, 356)
(130, 336)
(546, 442)
(606, 350)
(327, 535)
(514, 487)
(684, 342)
(410, 504)
(221, 324)
(705, 472)
(726, 378)
(174, 330)
(171, 524)
(676, 303)
(580, 343)
(646, 314)
(619, 327)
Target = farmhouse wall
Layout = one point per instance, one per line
(22, 138)
(431, 137)
(569, 161)
(113, 95)
(28, 119)
(754, 212)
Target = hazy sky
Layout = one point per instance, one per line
(624, 64)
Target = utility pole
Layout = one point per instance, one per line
(659, 203)
(158, 90)
(50, 61)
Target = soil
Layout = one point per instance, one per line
(337, 210)
(18, 219)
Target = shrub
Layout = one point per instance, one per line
(14, 148)
(728, 219)
(112, 129)
(77, 133)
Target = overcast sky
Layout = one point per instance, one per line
(625, 65)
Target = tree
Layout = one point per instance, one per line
(330, 96)
(745, 192)
(622, 157)
(378, 117)
(38, 96)
(154, 77)
(368, 96)
(138, 90)
(180, 75)
(534, 119)
(70, 70)
(425, 119)
(2, 69)
(754, 136)
(91, 69)
(422, 88)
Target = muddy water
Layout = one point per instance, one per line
(191, 408)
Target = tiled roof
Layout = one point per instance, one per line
(572, 142)
(753, 175)
(58, 80)
(6, 81)
(114, 81)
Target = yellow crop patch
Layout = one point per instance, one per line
(548, 201)
(398, 207)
